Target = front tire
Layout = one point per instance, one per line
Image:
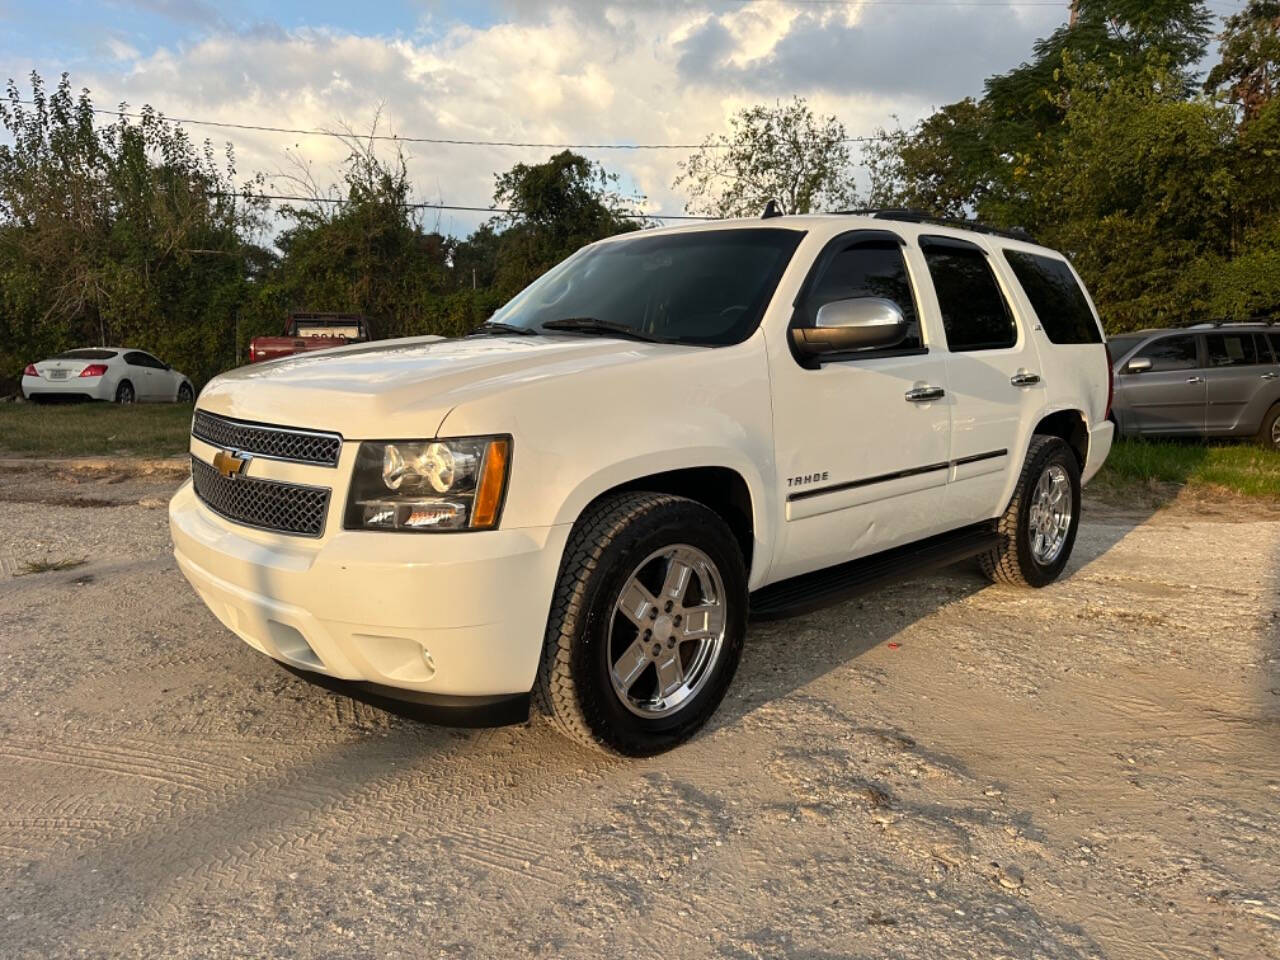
(646, 625)
(1038, 528)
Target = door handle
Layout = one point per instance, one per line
(1025, 379)
(925, 394)
(1195, 379)
(1270, 376)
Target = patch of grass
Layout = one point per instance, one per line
(1240, 468)
(47, 566)
(94, 429)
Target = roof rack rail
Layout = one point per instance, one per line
(920, 216)
(1255, 321)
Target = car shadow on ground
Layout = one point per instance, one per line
(783, 656)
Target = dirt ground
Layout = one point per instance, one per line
(944, 769)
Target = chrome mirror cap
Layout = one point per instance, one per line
(860, 323)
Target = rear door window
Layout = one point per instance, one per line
(1171, 353)
(1056, 297)
(1232, 350)
(974, 312)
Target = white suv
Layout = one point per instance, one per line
(669, 432)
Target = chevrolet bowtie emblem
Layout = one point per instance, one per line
(229, 463)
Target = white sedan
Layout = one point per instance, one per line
(106, 373)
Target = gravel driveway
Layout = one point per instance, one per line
(944, 769)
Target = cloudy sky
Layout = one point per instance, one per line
(626, 71)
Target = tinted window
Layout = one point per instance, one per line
(974, 312)
(86, 355)
(1056, 297)
(139, 359)
(1275, 343)
(1170, 353)
(1264, 348)
(1119, 346)
(1231, 350)
(867, 269)
(708, 287)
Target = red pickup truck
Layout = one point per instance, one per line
(311, 331)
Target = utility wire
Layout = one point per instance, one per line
(262, 128)
(438, 206)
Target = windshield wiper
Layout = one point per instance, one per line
(604, 328)
(497, 327)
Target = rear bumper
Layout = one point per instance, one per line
(91, 388)
(1100, 438)
(440, 615)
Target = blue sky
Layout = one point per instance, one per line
(569, 71)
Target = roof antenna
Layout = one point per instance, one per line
(771, 210)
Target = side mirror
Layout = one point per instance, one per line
(856, 324)
(1138, 365)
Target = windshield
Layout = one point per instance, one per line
(709, 287)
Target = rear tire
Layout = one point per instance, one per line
(1038, 528)
(1269, 432)
(185, 393)
(652, 591)
(124, 393)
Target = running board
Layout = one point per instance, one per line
(824, 587)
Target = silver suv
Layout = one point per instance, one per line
(1208, 380)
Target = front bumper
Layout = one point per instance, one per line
(438, 615)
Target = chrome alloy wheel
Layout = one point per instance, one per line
(667, 631)
(1049, 518)
(1275, 433)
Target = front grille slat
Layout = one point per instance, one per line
(278, 443)
(290, 508)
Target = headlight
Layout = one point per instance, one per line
(428, 485)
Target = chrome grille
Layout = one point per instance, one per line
(279, 443)
(267, 504)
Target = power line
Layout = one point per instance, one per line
(438, 206)
(447, 141)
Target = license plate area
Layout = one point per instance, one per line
(57, 374)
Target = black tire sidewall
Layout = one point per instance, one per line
(185, 393)
(120, 393)
(1268, 424)
(683, 522)
(1035, 573)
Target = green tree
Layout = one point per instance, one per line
(781, 152)
(983, 157)
(1136, 189)
(553, 208)
(357, 247)
(1249, 71)
(127, 233)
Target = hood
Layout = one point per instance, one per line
(405, 388)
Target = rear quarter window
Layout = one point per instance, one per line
(1056, 297)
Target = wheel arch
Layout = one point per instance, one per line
(1070, 426)
(723, 490)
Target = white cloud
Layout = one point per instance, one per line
(576, 73)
